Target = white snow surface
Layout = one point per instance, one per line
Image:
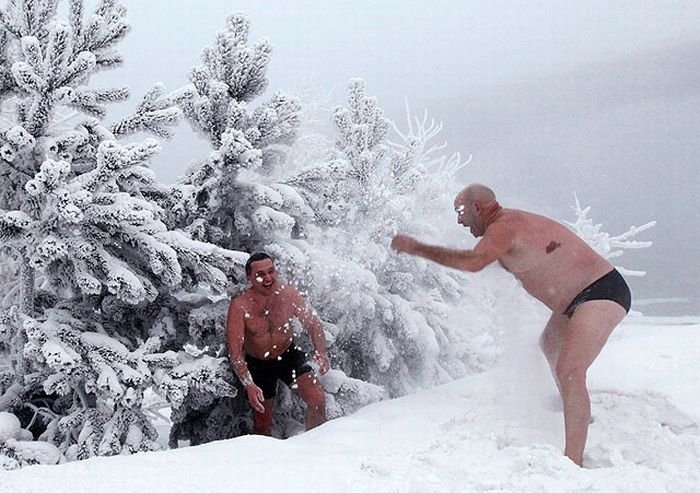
(497, 431)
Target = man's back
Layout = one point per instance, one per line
(552, 263)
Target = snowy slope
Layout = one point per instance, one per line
(500, 430)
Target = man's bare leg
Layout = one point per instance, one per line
(587, 333)
(262, 422)
(552, 339)
(312, 393)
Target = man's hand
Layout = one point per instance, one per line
(255, 397)
(323, 363)
(404, 243)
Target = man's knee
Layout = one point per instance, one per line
(570, 373)
(313, 394)
(316, 398)
(262, 422)
(553, 334)
(548, 345)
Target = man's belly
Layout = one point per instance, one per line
(268, 346)
(557, 289)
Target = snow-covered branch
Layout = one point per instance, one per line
(607, 245)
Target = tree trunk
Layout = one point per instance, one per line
(26, 293)
(26, 307)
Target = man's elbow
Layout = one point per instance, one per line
(474, 265)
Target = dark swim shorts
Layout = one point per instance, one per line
(611, 286)
(288, 366)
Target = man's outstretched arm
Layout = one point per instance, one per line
(491, 247)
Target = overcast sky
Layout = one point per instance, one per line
(600, 97)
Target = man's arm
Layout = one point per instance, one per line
(495, 243)
(235, 333)
(313, 325)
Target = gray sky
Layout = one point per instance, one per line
(600, 97)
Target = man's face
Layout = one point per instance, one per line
(263, 276)
(467, 216)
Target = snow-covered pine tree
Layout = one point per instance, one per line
(232, 198)
(395, 319)
(77, 211)
(236, 198)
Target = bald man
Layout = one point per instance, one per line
(587, 295)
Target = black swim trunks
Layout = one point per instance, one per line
(288, 366)
(611, 286)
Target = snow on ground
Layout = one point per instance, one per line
(499, 431)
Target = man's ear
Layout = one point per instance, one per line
(477, 206)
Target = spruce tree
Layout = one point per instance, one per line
(231, 198)
(236, 198)
(100, 274)
(393, 318)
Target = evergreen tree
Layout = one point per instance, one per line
(393, 318)
(237, 199)
(78, 213)
(231, 198)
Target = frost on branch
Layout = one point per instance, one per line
(17, 448)
(199, 383)
(113, 226)
(57, 57)
(415, 151)
(346, 395)
(605, 244)
(102, 383)
(157, 113)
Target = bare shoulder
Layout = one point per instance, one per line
(506, 225)
(289, 293)
(292, 298)
(523, 220)
(240, 300)
(517, 218)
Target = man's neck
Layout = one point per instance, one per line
(266, 297)
(492, 212)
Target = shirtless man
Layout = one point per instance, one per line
(261, 346)
(587, 295)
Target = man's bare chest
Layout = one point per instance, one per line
(528, 257)
(266, 321)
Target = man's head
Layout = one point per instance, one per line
(260, 272)
(471, 204)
